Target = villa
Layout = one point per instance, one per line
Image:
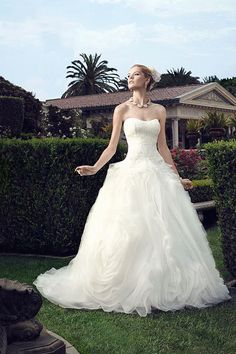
(181, 103)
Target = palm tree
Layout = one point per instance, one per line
(215, 123)
(177, 77)
(90, 77)
(212, 78)
(123, 84)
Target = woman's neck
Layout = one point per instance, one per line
(140, 96)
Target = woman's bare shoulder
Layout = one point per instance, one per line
(122, 108)
(158, 107)
(160, 112)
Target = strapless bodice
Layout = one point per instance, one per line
(141, 136)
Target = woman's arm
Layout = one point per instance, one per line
(164, 150)
(110, 149)
(161, 142)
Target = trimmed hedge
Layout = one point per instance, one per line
(12, 114)
(202, 190)
(44, 203)
(32, 106)
(222, 169)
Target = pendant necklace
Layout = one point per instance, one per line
(140, 105)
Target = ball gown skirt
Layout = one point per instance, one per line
(143, 246)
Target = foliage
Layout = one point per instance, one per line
(101, 128)
(212, 78)
(32, 106)
(232, 120)
(214, 120)
(201, 191)
(222, 170)
(189, 163)
(11, 116)
(62, 123)
(193, 126)
(90, 77)
(177, 77)
(229, 84)
(123, 84)
(44, 203)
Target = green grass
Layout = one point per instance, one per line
(206, 331)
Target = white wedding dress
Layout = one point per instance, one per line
(143, 246)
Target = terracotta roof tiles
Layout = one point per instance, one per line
(115, 98)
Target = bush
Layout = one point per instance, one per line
(44, 203)
(202, 191)
(189, 163)
(63, 123)
(222, 169)
(32, 106)
(11, 116)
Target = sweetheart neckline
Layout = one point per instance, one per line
(142, 120)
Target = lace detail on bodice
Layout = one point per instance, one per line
(141, 136)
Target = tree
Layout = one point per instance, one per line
(229, 83)
(209, 79)
(123, 84)
(32, 106)
(177, 77)
(90, 77)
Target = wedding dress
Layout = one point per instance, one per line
(143, 246)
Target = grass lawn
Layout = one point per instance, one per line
(206, 331)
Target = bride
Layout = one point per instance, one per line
(143, 246)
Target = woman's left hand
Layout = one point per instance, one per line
(187, 183)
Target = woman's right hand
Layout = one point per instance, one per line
(86, 170)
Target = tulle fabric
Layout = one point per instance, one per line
(143, 246)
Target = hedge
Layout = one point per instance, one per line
(201, 191)
(44, 203)
(32, 105)
(222, 170)
(12, 114)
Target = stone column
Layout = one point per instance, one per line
(175, 132)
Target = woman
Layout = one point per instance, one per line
(143, 246)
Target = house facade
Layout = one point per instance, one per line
(181, 103)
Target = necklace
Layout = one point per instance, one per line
(140, 105)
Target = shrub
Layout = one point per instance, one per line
(188, 163)
(63, 123)
(222, 170)
(201, 191)
(44, 203)
(32, 106)
(11, 116)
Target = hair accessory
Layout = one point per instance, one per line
(155, 74)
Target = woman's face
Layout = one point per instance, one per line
(136, 78)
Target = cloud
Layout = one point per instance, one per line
(68, 34)
(106, 1)
(172, 8)
(34, 33)
(171, 34)
(111, 38)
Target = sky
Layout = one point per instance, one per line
(40, 38)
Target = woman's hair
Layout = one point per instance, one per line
(147, 72)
